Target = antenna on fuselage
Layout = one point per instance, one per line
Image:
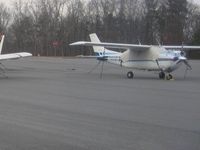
(182, 46)
(139, 41)
(158, 42)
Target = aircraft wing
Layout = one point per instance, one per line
(183, 47)
(135, 52)
(14, 55)
(114, 45)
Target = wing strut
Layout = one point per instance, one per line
(159, 65)
(188, 67)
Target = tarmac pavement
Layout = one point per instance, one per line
(54, 103)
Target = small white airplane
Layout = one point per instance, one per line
(9, 56)
(159, 58)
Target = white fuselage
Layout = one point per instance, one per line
(168, 61)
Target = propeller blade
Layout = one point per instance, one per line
(185, 72)
(188, 67)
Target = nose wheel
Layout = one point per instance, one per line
(169, 77)
(130, 75)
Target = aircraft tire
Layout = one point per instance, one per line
(130, 75)
(169, 77)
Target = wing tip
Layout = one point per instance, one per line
(77, 43)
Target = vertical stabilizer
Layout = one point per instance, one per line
(97, 49)
(101, 50)
(1, 43)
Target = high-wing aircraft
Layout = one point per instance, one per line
(9, 56)
(159, 58)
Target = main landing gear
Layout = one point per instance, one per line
(163, 76)
(130, 75)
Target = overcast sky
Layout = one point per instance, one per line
(195, 1)
(9, 2)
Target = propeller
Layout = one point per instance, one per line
(188, 67)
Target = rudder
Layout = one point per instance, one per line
(97, 49)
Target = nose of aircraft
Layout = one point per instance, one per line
(182, 58)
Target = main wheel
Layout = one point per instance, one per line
(169, 77)
(162, 75)
(130, 75)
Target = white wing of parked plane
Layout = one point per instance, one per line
(134, 51)
(11, 55)
(130, 46)
(114, 45)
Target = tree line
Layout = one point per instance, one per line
(46, 27)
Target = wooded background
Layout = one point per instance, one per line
(46, 27)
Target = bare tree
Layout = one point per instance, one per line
(175, 20)
(5, 17)
(192, 24)
(46, 27)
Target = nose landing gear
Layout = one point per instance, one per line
(169, 77)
